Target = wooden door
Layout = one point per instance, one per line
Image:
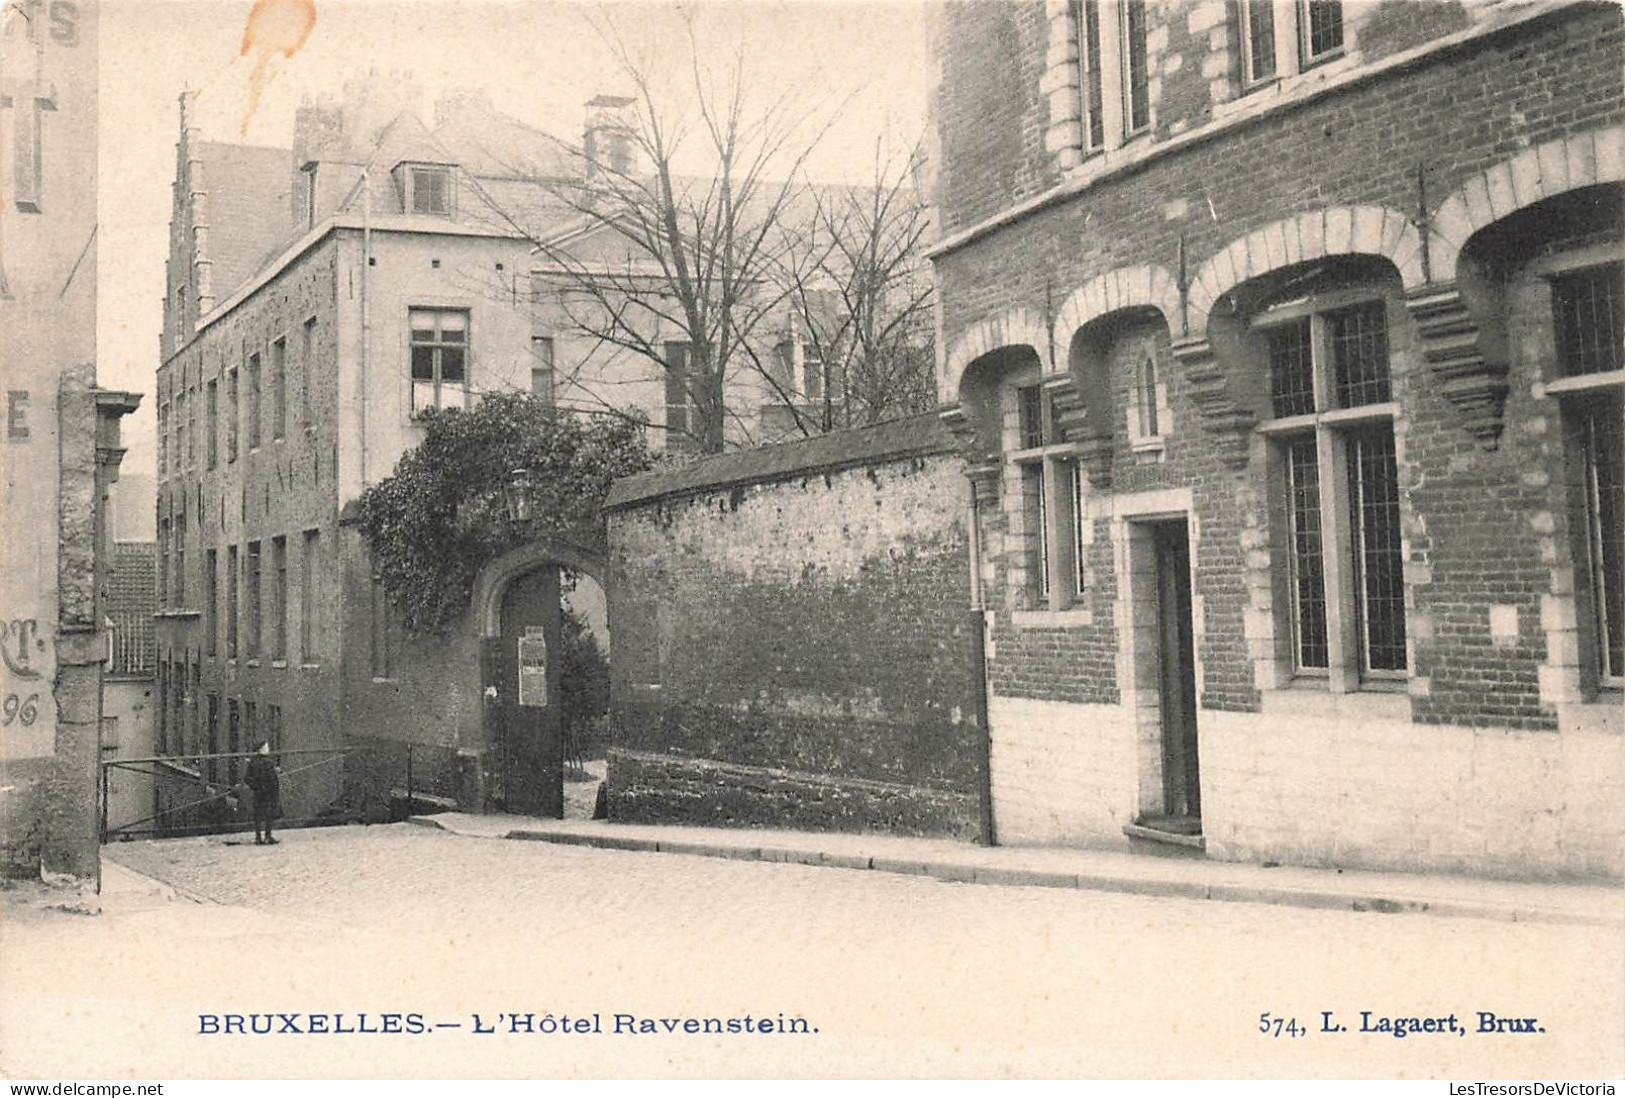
(1181, 777)
(527, 735)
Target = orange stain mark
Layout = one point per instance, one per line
(274, 26)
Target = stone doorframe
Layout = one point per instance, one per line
(1138, 646)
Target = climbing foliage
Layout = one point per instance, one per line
(445, 512)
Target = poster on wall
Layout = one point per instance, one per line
(533, 668)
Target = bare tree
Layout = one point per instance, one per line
(859, 291)
(693, 285)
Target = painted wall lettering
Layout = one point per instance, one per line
(17, 415)
(19, 638)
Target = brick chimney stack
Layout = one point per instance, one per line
(606, 138)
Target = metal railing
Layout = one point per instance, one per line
(188, 797)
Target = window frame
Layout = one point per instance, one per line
(1307, 57)
(674, 370)
(411, 172)
(1114, 72)
(438, 346)
(1335, 431)
(1051, 489)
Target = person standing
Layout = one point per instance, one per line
(263, 782)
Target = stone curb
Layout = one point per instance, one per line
(961, 873)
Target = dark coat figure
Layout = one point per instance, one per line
(263, 782)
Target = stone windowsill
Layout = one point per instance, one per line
(280, 665)
(310, 667)
(251, 663)
(177, 613)
(1051, 619)
(1312, 698)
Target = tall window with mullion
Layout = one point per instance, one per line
(439, 358)
(679, 402)
(1342, 535)
(1136, 66)
(1086, 17)
(1258, 40)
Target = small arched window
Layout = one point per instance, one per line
(1145, 389)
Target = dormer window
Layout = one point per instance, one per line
(426, 189)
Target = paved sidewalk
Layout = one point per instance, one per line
(1096, 870)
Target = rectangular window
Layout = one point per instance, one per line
(1588, 320)
(254, 401)
(679, 406)
(214, 423)
(1258, 40)
(1307, 565)
(1086, 13)
(233, 739)
(1037, 511)
(163, 440)
(309, 596)
(1136, 79)
(163, 562)
(1145, 386)
(431, 190)
(1320, 29)
(184, 458)
(1292, 377)
(232, 415)
(211, 610)
(1345, 526)
(251, 601)
(541, 368)
(279, 598)
(179, 531)
(279, 389)
(210, 739)
(273, 728)
(439, 358)
(231, 602)
(307, 357)
(1079, 528)
(1358, 339)
(1378, 562)
(812, 372)
(781, 368)
(1602, 458)
(1030, 402)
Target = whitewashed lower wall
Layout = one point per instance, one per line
(1324, 781)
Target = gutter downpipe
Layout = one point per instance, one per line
(987, 835)
(366, 312)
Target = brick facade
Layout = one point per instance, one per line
(1441, 165)
(792, 645)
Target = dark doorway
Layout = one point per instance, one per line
(523, 665)
(1181, 777)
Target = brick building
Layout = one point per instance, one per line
(319, 299)
(1284, 343)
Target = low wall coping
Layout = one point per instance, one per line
(915, 436)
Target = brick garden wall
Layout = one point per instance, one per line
(791, 644)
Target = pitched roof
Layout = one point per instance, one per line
(247, 209)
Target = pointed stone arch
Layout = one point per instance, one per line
(494, 578)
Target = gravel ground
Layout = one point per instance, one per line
(900, 975)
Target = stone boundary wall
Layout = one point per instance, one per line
(791, 644)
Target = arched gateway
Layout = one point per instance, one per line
(519, 619)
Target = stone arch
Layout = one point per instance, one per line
(495, 577)
(1535, 174)
(1337, 230)
(1012, 327)
(1122, 288)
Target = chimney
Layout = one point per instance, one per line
(606, 138)
(318, 127)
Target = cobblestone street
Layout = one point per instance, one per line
(900, 975)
